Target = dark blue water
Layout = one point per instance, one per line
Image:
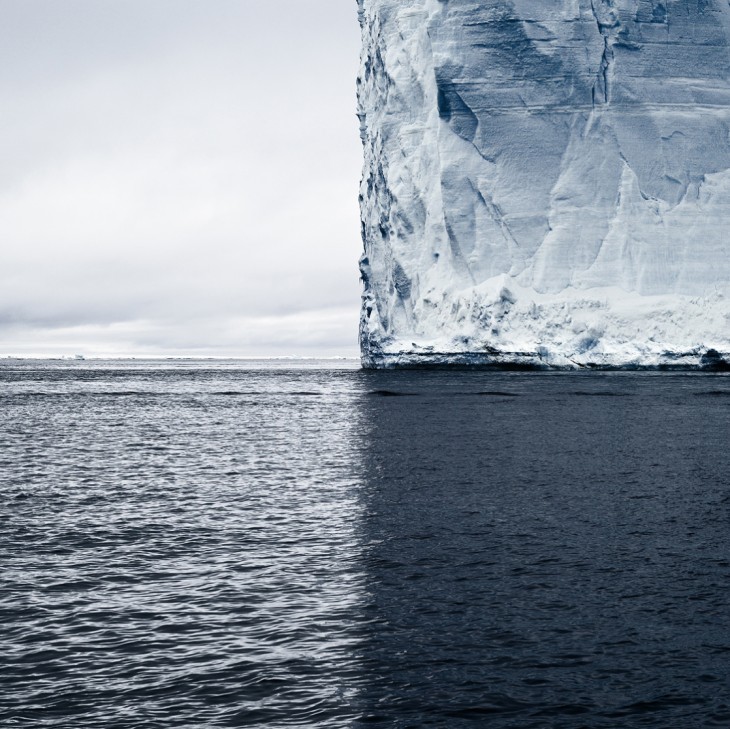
(263, 545)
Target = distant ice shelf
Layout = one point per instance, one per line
(546, 183)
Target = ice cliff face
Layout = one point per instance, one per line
(546, 182)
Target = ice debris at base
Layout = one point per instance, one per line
(546, 182)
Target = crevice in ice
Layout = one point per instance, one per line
(498, 216)
(608, 23)
(606, 61)
(456, 112)
(460, 263)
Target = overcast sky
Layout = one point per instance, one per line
(178, 177)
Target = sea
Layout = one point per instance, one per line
(286, 543)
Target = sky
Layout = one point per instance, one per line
(179, 177)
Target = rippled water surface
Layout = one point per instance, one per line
(202, 544)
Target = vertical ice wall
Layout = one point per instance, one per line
(545, 181)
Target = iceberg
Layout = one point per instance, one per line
(546, 183)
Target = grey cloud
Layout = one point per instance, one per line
(176, 162)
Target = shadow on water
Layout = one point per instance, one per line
(541, 558)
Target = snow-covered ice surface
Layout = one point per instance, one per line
(546, 182)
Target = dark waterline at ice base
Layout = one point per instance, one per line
(219, 544)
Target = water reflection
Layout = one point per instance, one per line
(180, 547)
(545, 550)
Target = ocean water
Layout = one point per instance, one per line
(282, 544)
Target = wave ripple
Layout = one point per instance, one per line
(202, 545)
